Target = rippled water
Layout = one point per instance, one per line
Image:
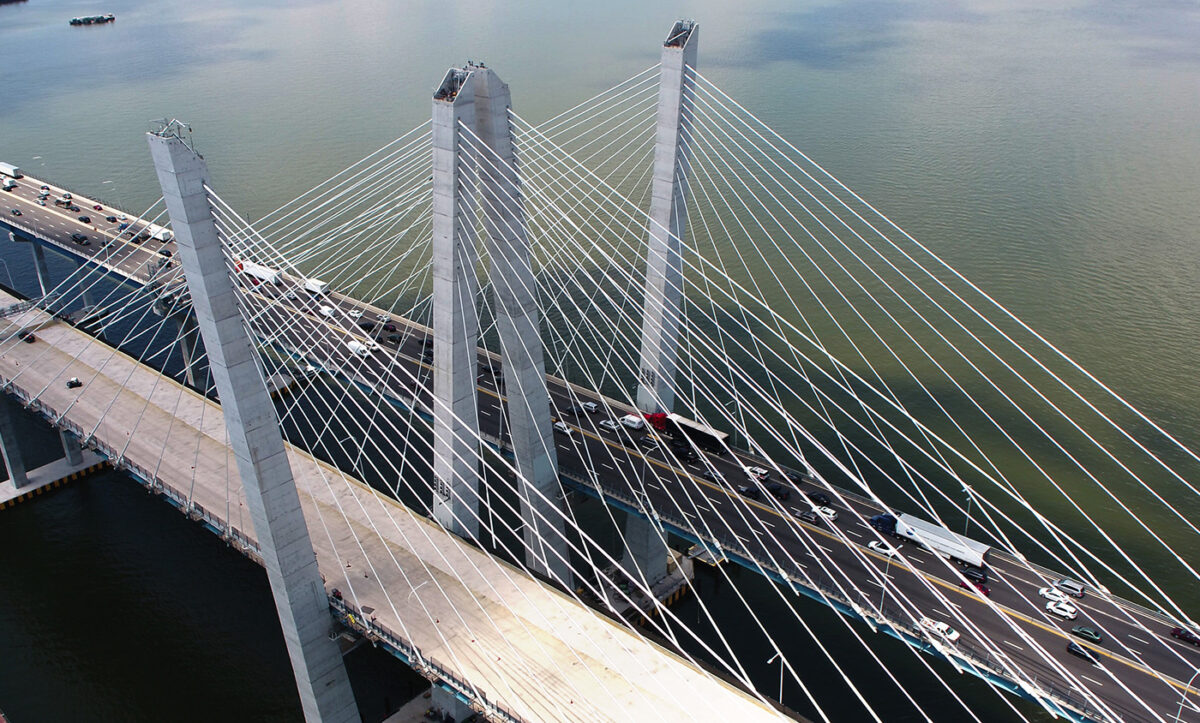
(1049, 153)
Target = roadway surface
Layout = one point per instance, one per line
(1137, 656)
(521, 644)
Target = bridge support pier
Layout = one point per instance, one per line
(254, 435)
(519, 325)
(664, 267)
(10, 448)
(455, 320)
(189, 344)
(668, 222)
(645, 553)
(445, 701)
(39, 265)
(71, 448)
(88, 300)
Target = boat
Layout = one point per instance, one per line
(94, 19)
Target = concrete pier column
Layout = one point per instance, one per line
(10, 448)
(71, 448)
(39, 265)
(189, 343)
(85, 283)
(455, 318)
(668, 222)
(645, 553)
(519, 325)
(444, 701)
(254, 435)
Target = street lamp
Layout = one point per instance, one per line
(772, 660)
(1183, 698)
(970, 498)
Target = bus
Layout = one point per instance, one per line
(707, 438)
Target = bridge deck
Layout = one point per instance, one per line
(521, 643)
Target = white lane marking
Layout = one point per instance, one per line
(689, 514)
(1092, 681)
(1147, 642)
(1014, 646)
(743, 539)
(608, 466)
(768, 524)
(826, 549)
(852, 532)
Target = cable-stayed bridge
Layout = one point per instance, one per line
(655, 249)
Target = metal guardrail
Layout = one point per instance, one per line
(424, 664)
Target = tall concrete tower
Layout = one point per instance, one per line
(254, 435)
(476, 99)
(668, 221)
(455, 318)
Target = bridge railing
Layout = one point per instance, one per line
(422, 663)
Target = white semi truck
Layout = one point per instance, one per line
(8, 169)
(265, 274)
(933, 537)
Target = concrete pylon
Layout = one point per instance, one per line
(668, 222)
(71, 448)
(519, 325)
(39, 265)
(455, 319)
(254, 435)
(10, 448)
(645, 551)
(189, 343)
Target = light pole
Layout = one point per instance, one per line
(970, 498)
(772, 660)
(1183, 698)
(357, 456)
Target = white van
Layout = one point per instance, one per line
(359, 348)
(314, 286)
(633, 421)
(1074, 588)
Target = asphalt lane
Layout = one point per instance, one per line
(1136, 655)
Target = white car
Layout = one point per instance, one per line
(828, 513)
(1062, 609)
(940, 629)
(384, 318)
(561, 426)
(1052, 594)
(356, 313)
(883, 548)
(758, 473)
(327, 311)
(608, 424)
(590, 407)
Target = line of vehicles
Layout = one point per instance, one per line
(684, 436)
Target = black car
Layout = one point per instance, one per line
(792, 477)
(712, 476)
(647, 441)
(819, 499)
(75, 209)
(84, 219)
(389, 327)
(1186, 636)
(1079, 651)
(74, 383)
(16, 212)
(165, 252)
(80, 239)
(45, 188)
(366, 325)
(687, 455)
(748, 492)
(110, 219)
(778, 491)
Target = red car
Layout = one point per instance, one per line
(981, 589)
(98, 207)
(1186, 636)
